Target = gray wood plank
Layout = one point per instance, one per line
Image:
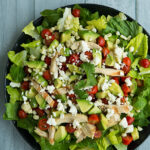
(143, 13)
(126, 6)
(48, 4)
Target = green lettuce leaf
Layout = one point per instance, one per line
(19, 58)
(11, 111)
(17, 73)
(31, 30)
(125, 27)
(15, 94)
(120, 146)
(144, 71)
(99, 24)
(8, 77)
(51, 17)
(140, 44)
(134, 74)
(103, 143)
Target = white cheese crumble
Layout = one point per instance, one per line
(76, 124)
(60, 106)
(73, 110)
(84, 57)
(96, 60)
(51, 121)
(131, 49)
(50, 88)
(62, 116)
(124, 123)
(24, 98)
(89, 98)
(139, 128)
(107, 36)
(124, 37)
(118, 53)
(98, 103)
(128, 82)
(117, 33)
(94, 30)
(71, 92)
(117, 66)
(111, 97)
(84, 47)
(105, 85)
(63, 75)
(36, 117)
(110, 113)
(129, 129)
(14, 84)
(62, 59)
(125, 54)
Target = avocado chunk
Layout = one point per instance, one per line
(133, 87)
(73, 78)
(103, 125)
(41, 101)
(31, 93)
(65, 51)
(110, 61)
(60, 134)
(57, 113)
(65, 36)
(57, 83)
(35, 64)
(74, 68)
(63, 97)
(102, 94)
(113, 138)
(97, 58)
(101, 80)
(94, 110)
(88, 35)
(110, 45)
(41, 80)
(135, 134)
(84, 105)
(33, 103)
(115, 89)
(53, 45)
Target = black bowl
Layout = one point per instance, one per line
(103, 10)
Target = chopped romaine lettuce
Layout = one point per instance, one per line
(19, 58)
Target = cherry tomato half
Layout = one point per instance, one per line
(144, 63)
(26, 70)
(89, 55)
(101, 41)
(123, 100)
(127, 140)
(104, 100)
(46, 75)
(40, 112)
(127, 61)
(49, 41)
(55, 104)
(93, 119)
(130, 120)
(70, 128)
(116, 79)
(126, 69)
(73, 59)
(46, 32)
(22, 114)
(76, 12)
(97, 134)
(125, 89)
(94, 90)
(43, 124)
(47, 60)
(25, 85)
(105, 52)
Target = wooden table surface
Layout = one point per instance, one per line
(15, 14)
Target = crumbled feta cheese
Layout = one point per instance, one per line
(73, 110)
(76, 124)
(71, 92)
(124, 134)
(124, 123)
(98, 103)
(14, 84)
(123, 37)
(107, 36)
(117, 33)
(117, 66)
(50, 88)
(43, 57)
(139, 128)
(105, 85)
(60, 106)
(24, 98)
(94, 30)
(110, 113)
(84, 57)
(51, 121)
(89, 98)
(129, 129)
(96, 60)
(111, 97)
(62, 116)
(36, 117)
(121, 73)
(131, 49)
(63, 75)
(118, 101)
(62, 59)
(117, 117)
(128, 82)
(84, 47)
(118, 53)
(125, 54)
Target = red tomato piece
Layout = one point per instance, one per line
(130, 120)
(124, 78)
(64, 67)
(126, 69)
(89, 55)
(40, 112)
(25, 85)
(76, 12)
(70, 128)
(127, 61)
(22, 114)
(103, 60)
(104, 100)
(26, 70)
(97, 134)
(116, 79)
(101, 41)
(93, 119)
(47, 60)
(73, 98)
(140, 83)
(127, 140)
(45, 33)
(73, 59)
(79, 62)
(125, 89)
(144, 63)
(105, 52)
(94, 90)
(46, 75)
(43, 124)
(55, 104)
(123, 100)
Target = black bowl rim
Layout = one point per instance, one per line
(133, 145)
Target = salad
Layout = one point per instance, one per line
(81, 81)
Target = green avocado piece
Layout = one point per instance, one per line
(110, 61)
(113, 138)
(33, 103)
(101, 80)
(133, 87)
(57, 83)
(65, 36)
(135, 134)
(103, 125)
(84, 105)
(115, 89)
(110, 45)
(65, 51)
(113, 38)
(88, 35)
(97, 55)
(35, 64)
(74, 68)
(31, 93)
(94, 110)
(60, 134)
(41, 80)
(57, 113)
(63, 97)
(73, 78)
(53, 45)
(102, 94)
(41, 101)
